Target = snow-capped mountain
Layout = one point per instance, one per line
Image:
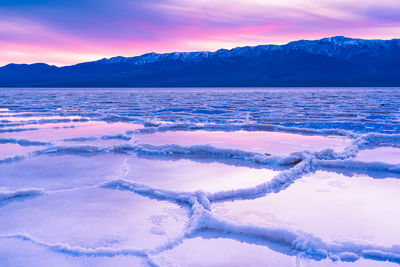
(154, 57)
(344, 47)
(338, 46)
(335, 61)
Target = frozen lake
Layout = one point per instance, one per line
(200, 177)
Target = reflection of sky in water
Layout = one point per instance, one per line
(12, 118)
(328, 205)
(382, 154)
(361, 110)
(11, 150)
(230, 253)
(57, 132)
(95, 218)
(22, 253)
(187, 175)
(58, 172)
(265, 142)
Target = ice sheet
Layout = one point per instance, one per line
(18, 253)
(68, 171)
(199, 177)
(196, 251)
(11, 150)
(210, 251)
(382, 154)
(95, 218)
(328, 205)
(60, 172)
(186, 175)
(355, 109)
(66, 133)
(274, 143)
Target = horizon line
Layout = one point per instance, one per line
(199, 51)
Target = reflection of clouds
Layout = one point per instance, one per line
(323, 191)
(338, 184)
(274, 143)
(284, 211)
(386, 154)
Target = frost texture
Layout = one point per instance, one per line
(324, 109)
(211, 111)
(9, 196)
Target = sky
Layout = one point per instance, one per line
(65, 32)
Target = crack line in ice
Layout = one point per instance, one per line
(12, 130)
(202, 219)
(215, 152)
(23, 142)
(326, 157)
(302, 242)
(78, 250)
(7, 197)
(144, 190)
(152, 127)
(120, 136)
(81, 139)
(7, 123)
(13, 159)
(280, 182)
(359, 165)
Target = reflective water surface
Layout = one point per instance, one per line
(200, 177)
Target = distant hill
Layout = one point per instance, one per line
(335, 61)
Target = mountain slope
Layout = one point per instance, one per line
(336, 61)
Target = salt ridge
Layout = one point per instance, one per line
(201, 216)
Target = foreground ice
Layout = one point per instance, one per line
(19, 253)
(382, 154)
(328, 205)
(196, 251)
(186, 175)
(12, 150)
(355, 109)
(199, 177)
(68, 171)
(95, 218)
(274, 143)
(62, 172)
(72, 133)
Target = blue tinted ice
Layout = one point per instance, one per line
(200, 177)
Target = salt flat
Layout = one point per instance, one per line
(200, 177)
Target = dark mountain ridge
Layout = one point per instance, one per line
(335, 61)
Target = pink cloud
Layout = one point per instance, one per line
(90, 30)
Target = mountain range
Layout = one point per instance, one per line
(334, 61)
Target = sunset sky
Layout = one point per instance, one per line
(65, 32)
